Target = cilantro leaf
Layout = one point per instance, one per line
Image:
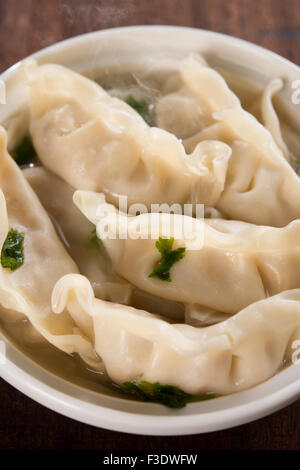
(168, 258)
(167, 395)
(142, 107)
(24, 153)
(94, 241)
(12, 255)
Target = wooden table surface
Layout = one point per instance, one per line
(28, 25)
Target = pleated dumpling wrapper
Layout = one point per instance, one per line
(226, 266)
(41, 261)
(77, 231)
(224, 358)
(261, 187)
(97, 142)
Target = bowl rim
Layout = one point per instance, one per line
(144, 424)
(243, 43)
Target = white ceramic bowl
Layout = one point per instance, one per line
(105, 48)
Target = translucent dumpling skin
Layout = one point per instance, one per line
(27, 289)
(230, 356)
(96, 142)
(236, 263)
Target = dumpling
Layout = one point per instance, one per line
(28, 288)
(80, 133)
(75, 230)
(224, 358)
(269, 116)
(96, 142)
(260, 187)
(80, 240)
(227, 264)
(188, 104)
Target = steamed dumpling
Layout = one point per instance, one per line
(76, 231)
(224, 358)
(224, 268)
(28, 288)
(97, 142)
(263, 109)
(189, 102)
(260, 187)
(78, 234)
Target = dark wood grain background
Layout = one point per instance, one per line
(28, 25)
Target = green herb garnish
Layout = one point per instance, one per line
(142, 107)
(167, 395)
(94, 241)
(24, 153)
(12, 255)
(168, 258)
